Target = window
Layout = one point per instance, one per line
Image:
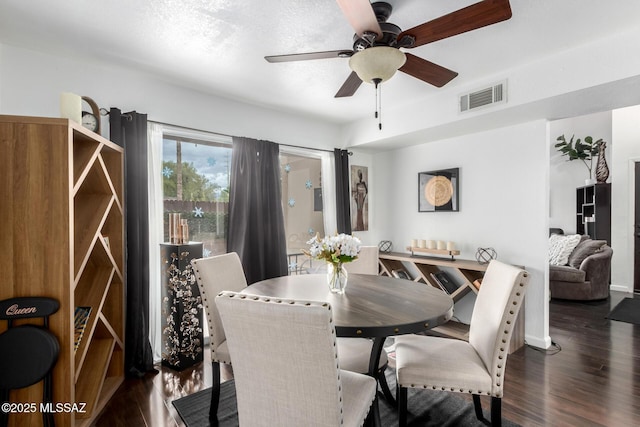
(195, 177)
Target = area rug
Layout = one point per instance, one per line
(627, 310)
(426, 408)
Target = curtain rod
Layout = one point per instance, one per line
(231, 136)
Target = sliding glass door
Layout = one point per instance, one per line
(195, 181)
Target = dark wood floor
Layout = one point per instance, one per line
(593, 381)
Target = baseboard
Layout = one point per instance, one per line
(537, 342)
(619, 288)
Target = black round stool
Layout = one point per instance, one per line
(29, 352)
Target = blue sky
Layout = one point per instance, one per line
(210, 161)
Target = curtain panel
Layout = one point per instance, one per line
(129, 130)
(328, 168)
(155, 133)
(343, 201)
(256, 219)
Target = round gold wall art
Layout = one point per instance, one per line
(438, 191)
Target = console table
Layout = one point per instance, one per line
(467, 271)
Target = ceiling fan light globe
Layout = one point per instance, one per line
(378, 62)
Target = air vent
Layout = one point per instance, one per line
(495, 94)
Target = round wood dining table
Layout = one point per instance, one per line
(371, 307)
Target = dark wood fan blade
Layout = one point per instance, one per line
(360, 16)
(427, 71)
(350, 86)
(310, 55)
(470, 18)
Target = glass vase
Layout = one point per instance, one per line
(337, 278)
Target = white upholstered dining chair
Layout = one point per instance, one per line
(478, 366)
(366, 263)
(286, 367)
(214, 275)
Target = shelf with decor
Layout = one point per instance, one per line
(64, 236)
(427, 270)
(445, 252)
(593, 211)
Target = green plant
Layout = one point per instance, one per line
(579, 150)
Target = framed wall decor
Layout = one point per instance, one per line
(438, 190)
(317, 199)
(359, 199)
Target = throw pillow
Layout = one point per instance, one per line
(560, 247)
(585, 249)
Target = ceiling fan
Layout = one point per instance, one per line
(377, 42)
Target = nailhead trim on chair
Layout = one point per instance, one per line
(509, 321)
(306, 304)
(212, 344)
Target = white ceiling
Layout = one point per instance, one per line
(218, 46)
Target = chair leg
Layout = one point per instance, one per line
(477, 405)
(47, 397)
(4, 416)
(373, 419)
(382, 379)
(215, 392)
(402, 406)
(496, 412)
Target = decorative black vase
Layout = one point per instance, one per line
(602, 170)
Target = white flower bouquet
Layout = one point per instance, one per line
(336, 250)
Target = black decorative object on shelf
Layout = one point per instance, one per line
(400, 274)
(485, 255)
(385, 246)
(445, 282)
(182, 320)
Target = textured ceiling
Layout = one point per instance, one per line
(218, 46)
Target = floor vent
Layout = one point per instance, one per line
(496, 94)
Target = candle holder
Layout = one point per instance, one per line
(178, 229)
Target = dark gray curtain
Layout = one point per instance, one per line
(129, 130)
(256, 220)
(343, 201)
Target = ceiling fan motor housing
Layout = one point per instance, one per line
(389, 36)
(390, 31)
(382, 10)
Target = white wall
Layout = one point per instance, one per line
(31, 83)
(626, 151)
(2, 60)
(503, 204)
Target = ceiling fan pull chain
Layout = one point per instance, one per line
(379, 89)
(378, 114)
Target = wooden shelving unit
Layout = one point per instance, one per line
(466, 271)
(62, 208)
